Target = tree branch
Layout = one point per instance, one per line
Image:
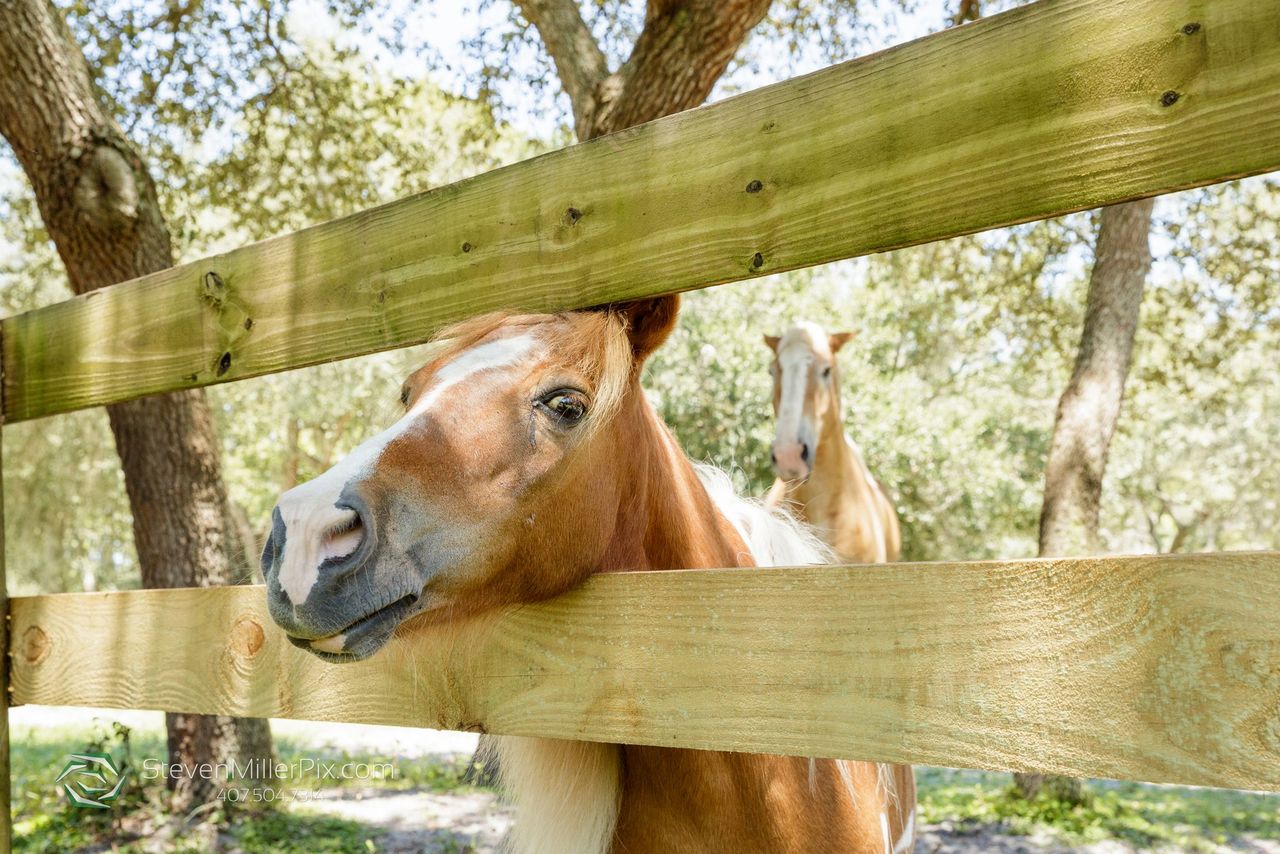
(579, 61)
(684, 48)
(969, 10)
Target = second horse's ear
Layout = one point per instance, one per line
(839, 339)
(649, 322)
(772, 342)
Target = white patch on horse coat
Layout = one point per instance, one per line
(773, 536)
(333, 643)
(309, 510)
(908, 838)
(566, 794)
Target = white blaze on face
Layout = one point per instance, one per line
(316, 529)
(794, 362)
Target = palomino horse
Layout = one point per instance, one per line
(821, 472)
(528, 459)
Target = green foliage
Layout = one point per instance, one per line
(44, 822)
(1190, 471)
(1142, 815)
(291, 833)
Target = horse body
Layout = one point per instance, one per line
(821, 472)
(529, 459)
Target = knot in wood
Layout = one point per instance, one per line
(247, 637)
(35, 644)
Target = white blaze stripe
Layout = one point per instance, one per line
(308, 510)
(884, 830)
(794, 365)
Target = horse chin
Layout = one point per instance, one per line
(364, 637)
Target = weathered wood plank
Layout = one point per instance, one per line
(1153, 668)
(1055, 107)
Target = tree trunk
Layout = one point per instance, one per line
(100, 208)
(1090, 406)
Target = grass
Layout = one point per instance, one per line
(1146, 817)
(44, 823)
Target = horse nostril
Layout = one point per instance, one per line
(773, 457)
(804, 452)
(273, 549)
(343, 538)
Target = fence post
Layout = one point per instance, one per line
(6, 816)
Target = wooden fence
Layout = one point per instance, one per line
(1155, 668)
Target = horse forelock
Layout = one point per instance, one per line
(592, 343)
(804, 333)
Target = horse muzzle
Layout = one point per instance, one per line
(792, 460)
(328, 584)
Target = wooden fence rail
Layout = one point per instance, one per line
(1051, 108)
(1149, 668)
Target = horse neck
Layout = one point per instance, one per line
(666, 518)
(835, 465)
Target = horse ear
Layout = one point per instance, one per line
(649, 322)
(839, 339)
(772, 342)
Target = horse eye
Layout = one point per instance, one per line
(826, 372)
(404, 396)
(567, 406)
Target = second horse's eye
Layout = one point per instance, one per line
(568, 407)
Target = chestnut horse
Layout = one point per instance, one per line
(528, 459)
(821, 472)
